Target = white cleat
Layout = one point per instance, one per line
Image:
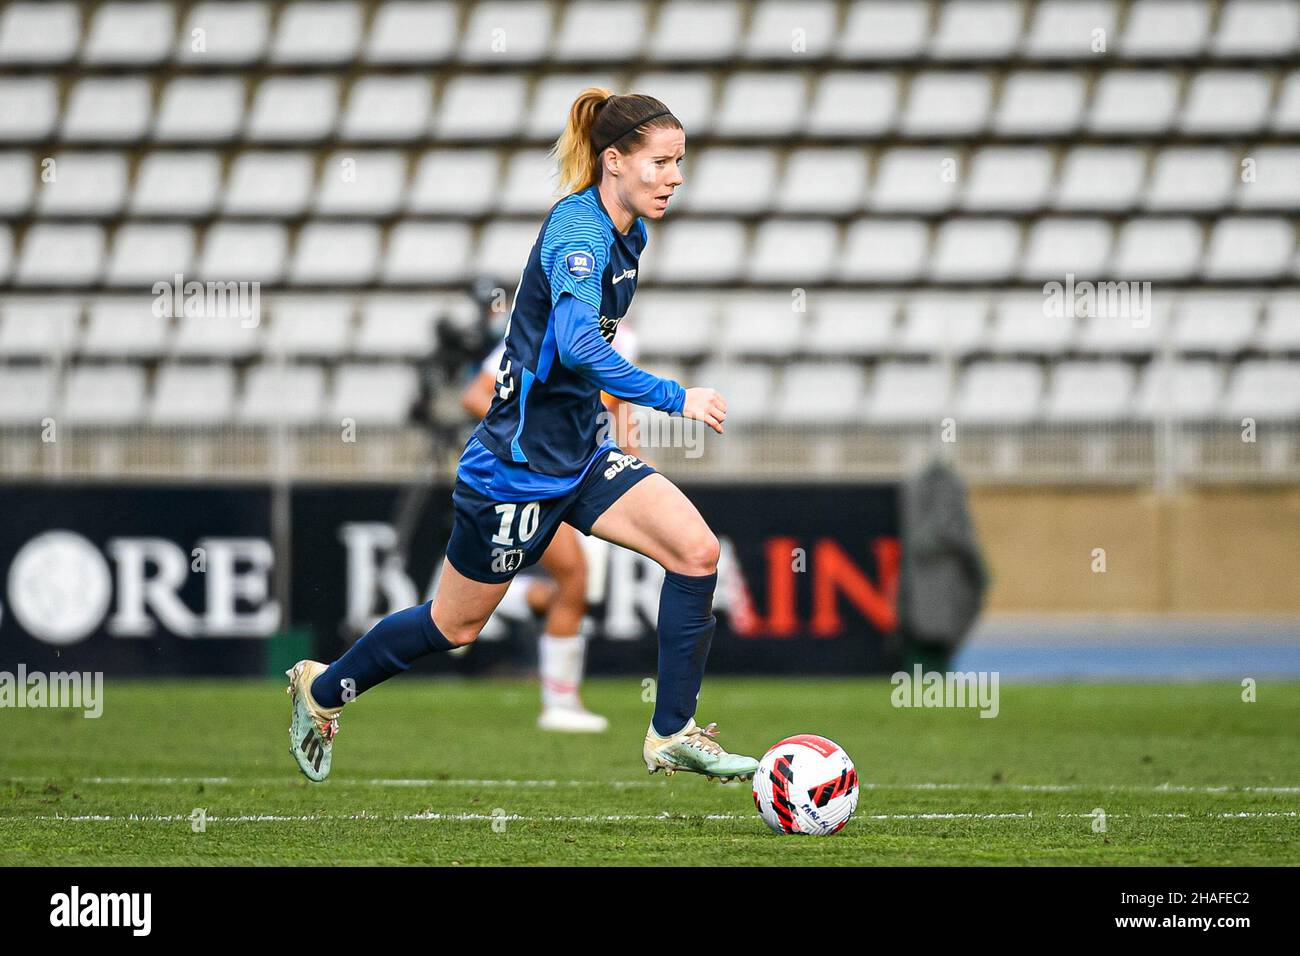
(573, 720)
(313, 728)
(695, 751)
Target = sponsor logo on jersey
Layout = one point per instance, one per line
(580, 264)
(608, 327)
(618, 461)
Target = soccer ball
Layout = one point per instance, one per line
(806, 784)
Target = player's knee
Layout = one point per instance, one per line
(700, 552)
(457, 633)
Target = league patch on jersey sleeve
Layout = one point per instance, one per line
(580, 264)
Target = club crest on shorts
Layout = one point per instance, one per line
(504, 561)
(580, 264)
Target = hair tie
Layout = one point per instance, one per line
(644, 119)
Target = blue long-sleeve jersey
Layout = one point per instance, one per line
(543, 428)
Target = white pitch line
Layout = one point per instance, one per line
(436, 782)
(594, 818)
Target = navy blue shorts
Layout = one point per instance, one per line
(492, 541)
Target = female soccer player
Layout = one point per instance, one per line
(538, 458)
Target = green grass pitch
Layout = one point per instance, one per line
(455, 773)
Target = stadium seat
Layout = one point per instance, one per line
(412, 31)
(507, 31)
(1101, 178)
(480, 107)
(999, 392)
(27, 394)
(798, 251)
(132, 34)
(700, 250)
(361, 183)
(176, 184)
(1022, 325)
(1065, 28)
(327, 32)
(946, 104)
(1008, 178)
(1056, 247)
(200, 109)
(823, 180)
(883, 251)
(674, 324)
(84, 185)
(1158, 249)
(335, 254)
(1281, 331)
(696, 30)
(503, 248)
(939, 323)
(821, 393)
(1276, 182)
(61, 255)
(373, 394)
(904, 392)
(1286, 116)
(1134, 103)
(294, 394)
(853, 104)
(1040, 103)
(968, 250)
(1090, 391)
(977, 29)
(427, 252)
(387, 108)
(773, 24)
(397, 326)
(747, 386)
(233, 33)
(1223, 101)
(1122, 332)
(104, 394)
(915, 180)
(144, 253)
(1263, 388)
(6, 252)
(274, 183)
(1192, 178)
(228, 336)
(529, 184)
(1260, 28)
(765, 324)
(474, 173)
(762, 104)
(39, 327)
(1165, 28)
(29, 108)
(736, 180)
(108, 109)
(553, 95)
(1250, 248)
(44, 33)
(884, 30)
(125, 327)
(193, 394)
(1215, 322)
(1189, 390)
(313, 326)
(691, 96)
(601, 29)
(850, 323)
(289, 109)
(251, 252)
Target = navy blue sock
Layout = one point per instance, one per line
(388, 648)
(686, 625)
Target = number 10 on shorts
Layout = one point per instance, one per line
(528, 519)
